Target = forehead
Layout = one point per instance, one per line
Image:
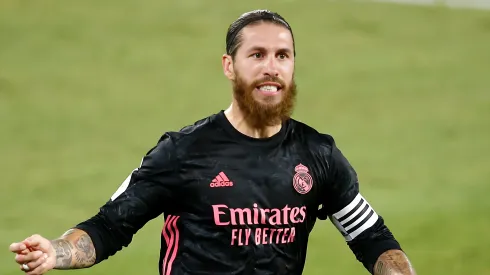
(266, 35)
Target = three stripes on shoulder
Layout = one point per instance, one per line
(356, 217)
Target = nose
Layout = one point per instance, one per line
(270, 67)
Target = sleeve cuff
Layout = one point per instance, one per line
(94, 235)
(378, 248)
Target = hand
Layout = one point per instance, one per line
(35, 255)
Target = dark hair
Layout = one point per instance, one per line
(233, 36)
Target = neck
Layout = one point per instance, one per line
(238, 119)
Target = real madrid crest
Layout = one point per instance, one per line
(302, 181)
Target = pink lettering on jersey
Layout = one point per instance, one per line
(276, 226)
(221, 180)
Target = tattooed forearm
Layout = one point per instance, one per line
(74, 250)
(63, 250)
(85, 251)
(393, 262)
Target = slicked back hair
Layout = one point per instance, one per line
(234, 34)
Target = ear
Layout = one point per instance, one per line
(228, 70)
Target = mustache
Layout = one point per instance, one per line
(269, 78)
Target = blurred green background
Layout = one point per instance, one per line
(87, 87)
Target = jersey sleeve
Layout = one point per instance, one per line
(146, 193)
(342, 201)
(365, 232)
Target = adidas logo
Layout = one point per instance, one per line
(221, 180)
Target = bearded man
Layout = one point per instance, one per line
(240, 190)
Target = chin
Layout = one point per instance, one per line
(268, 102)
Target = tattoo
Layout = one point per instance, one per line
(74, 250)
(85, 251)
(393, 262)
(63, 250)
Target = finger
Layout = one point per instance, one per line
(17, 247)
(24, 252)
(30, 257)
(41, 269)
(32, 241)
(34, 264)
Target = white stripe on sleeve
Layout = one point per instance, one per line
(354, 218)
(123, 186)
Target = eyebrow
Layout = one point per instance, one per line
(262, 49)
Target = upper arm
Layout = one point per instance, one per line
(149, 190)
(146, 193)
(342, 201)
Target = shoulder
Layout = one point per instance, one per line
(311, 137)
(321, 146)
(195, 133)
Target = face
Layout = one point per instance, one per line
(262, 73)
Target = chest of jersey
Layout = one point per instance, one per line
(250, 188)
(251, 199)
(247, 181)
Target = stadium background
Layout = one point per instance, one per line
(87, 87)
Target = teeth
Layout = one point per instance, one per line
(268, 88)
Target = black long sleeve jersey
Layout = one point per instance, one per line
(233, 204)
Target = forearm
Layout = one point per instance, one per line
(74, 250)
(393, 262)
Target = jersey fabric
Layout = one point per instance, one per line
(233, 204)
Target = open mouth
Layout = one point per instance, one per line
(269, 88)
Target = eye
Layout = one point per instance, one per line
(282, 56)
(257, 55)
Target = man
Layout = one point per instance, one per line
(240, 190)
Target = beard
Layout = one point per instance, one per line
(260, 114)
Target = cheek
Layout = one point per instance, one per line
(249, 70)
(246, 77)
(287, 70)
